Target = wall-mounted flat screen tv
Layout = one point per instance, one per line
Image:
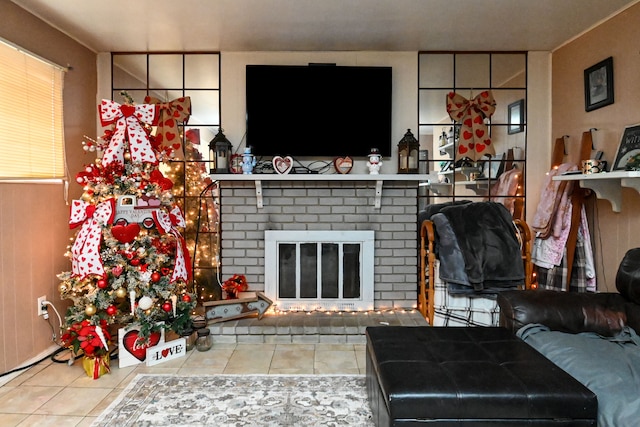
(318, 110)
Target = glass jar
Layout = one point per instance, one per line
(204, 341)
(189, 336)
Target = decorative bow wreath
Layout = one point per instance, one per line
(128, 121)
(86, 248)
(168, 222)
(169, 115)
(474, 141)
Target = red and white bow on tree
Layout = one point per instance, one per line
(169, 115)
(128, 121)
(86, 248)
(168, 222)
(474, 141)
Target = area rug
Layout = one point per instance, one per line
(240, 400)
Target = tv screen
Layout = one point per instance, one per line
(318, 110)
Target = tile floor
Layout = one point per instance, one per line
(53, 394)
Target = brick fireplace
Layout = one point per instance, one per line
(319, 205)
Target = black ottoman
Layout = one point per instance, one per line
(448, 376)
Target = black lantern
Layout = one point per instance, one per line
(408, 153)
(219, 153)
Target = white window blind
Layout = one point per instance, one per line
(31, 119)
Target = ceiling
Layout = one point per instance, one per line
(323, 25)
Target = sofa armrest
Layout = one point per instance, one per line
(602, 313)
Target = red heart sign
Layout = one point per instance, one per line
(343, 165)
(125, 233)
(282, 165)
(136, 346)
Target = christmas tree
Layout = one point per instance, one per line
(130, 264)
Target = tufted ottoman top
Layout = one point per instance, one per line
(471, 373)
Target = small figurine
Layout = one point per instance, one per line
(248, 161)
(375, 162)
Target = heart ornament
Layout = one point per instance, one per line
(136, 345)
(125, 233)
(343, 165)
(282, 165)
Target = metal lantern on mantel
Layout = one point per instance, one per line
(408, 153)
(219, 153)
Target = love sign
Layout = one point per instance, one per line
(167, 351)
(132, 349)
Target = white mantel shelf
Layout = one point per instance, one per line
(259, 178)
(606, 185)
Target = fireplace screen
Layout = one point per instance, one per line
(319, 270)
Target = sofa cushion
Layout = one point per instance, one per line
(582, 355)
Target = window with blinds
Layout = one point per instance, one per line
(31, 119)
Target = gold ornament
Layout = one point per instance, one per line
(90, 310)
(121, 292)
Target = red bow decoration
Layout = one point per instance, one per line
(169, 115)
(158, 178)
(86, 249)
(474, 141)
(128, 119)
(169, 223)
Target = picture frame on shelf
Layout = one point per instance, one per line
(629, 147)
(515, 117)
(493, 167)
(598, 85)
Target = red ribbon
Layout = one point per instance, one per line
(168, 222)
(85, 251)
(127, 120)
(99, 361)
(169, 115)
(474, 141)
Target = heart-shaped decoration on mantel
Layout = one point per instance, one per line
(343, 165)
(282, 165)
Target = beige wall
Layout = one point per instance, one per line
(613, 233)
(33, 217)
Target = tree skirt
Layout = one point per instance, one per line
(240, 400)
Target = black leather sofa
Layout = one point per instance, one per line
(592, 336)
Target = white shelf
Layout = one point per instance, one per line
(606, 185)
(378, 179)
(447, 148)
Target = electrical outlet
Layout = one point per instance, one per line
(41, 308)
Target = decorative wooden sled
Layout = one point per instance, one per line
(247, 305)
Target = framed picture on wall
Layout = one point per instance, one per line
(628, 148)
(598, 85)
(515, 117)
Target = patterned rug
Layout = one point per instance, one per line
(240, 400)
